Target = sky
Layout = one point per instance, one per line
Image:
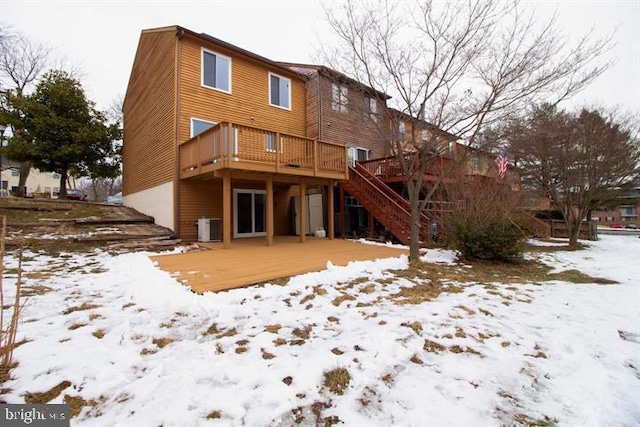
(100, 37)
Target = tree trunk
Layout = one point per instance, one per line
(414, 229)
(25, 170)
(63, 184)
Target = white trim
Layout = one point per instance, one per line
(289, 92)
(237, 191)
(213, 52)
(352, 154)
(191, 135)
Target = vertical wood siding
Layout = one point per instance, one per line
(149, 114)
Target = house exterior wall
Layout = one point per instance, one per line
(246, 104)
(156, 202)
(351, 125)
(44, 183)
(248, 100)
(149, 148)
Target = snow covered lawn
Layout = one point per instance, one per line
(123, 338)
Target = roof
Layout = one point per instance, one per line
(337, 75)
(405, 116)
(206, 37)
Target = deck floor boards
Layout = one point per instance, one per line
(250, 261)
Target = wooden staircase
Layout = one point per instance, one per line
(385, 205)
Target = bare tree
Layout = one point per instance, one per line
(458, 66)
(580, 161)
(22, 61)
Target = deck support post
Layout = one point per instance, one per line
(269, 210)
(303, 211)
(226, 209)
(330, 214)
(371, 225)
(342, 212)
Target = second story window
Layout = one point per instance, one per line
(216, 71)
(199, 126)
(401, 130)
(279, 91)
(370, 107)
(339, 97)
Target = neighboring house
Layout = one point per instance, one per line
(341, 110)
(623, 210)
(212, 130)
(44, 184)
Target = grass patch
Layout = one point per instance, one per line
(575, 276)
(433, 347)
(337, 380)
(214, 415)
(415, 326)
(84, 306)
(100, 333)
(46, 396)
(273, 329)
(162, 342)
(342, 298)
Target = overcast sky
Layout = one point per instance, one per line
(100, 37)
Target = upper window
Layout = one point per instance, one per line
(339, 97)
(199, 126)
(370, 107)
(279, 91)
(402, 128)
(216, 71)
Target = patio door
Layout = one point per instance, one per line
(250, 213)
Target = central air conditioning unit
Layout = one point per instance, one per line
(209, 229)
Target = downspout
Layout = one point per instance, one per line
(176, 174)
(319, 107)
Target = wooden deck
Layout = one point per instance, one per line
(250, 261)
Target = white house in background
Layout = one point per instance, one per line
(46, 184)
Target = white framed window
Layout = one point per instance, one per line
(339, 95)
(279, 91)
(270, 144)
(402, 128)
(56, 175)
(370, 107)
(16, 172)
(216, 71)
(357, 154)
(199, 126)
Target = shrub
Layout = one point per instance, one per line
(486, 223)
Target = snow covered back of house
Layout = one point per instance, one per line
(139, 348)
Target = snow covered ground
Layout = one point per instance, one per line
(141, 349)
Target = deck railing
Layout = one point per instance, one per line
(230, 145)
(390, 169)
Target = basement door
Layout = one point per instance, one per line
(249, 207)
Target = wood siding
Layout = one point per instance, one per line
(200, 199)
(149, 114)
(248, 102)
(352, 127)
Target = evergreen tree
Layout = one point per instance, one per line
(66, 134)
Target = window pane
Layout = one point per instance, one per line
(244, 213)
(363, 154)
(198, 126)
(284, 93)
(208, 69)
(222, 73)
(259, 212)
(275, 90)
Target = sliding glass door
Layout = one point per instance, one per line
(250, 213)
